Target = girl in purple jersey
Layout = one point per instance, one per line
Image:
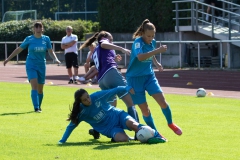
(141, 77)
(108, 74)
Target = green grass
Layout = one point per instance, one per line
(210, 129)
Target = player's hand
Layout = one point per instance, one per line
(126, 51)
(118, 57)
(57, 61)
(5, 62)
(160, 67)
(162, 48)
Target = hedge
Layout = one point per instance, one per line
(19, 30)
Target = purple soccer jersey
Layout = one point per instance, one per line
(104, 59)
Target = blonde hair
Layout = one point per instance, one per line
(146, 25)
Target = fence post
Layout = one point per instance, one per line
(5, 50)
(17, 54)
(199, 55)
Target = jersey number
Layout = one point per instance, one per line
(95, 59)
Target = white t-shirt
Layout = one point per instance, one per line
(67, 39)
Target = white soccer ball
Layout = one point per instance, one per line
(144, 133)
(201, 92)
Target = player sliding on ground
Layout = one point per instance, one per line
(103, 117)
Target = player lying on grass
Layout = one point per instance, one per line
(103, 117)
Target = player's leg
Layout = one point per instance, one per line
(41, 81)
(31, 71)
(34, 94)
(86, 67)
(113, 78)
(40, 95)
(69, 67)
(147, 116)
(75, 66)
(153, 88)
(135, 126)
(167, 112)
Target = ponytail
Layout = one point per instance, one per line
(89, 41)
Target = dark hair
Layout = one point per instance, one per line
(97, 36)
(146, 25)
(38, 24)
(73, 116)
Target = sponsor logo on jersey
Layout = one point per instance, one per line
(137, 45)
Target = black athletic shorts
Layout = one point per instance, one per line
(71, 60)
(92, 64)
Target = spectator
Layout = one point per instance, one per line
(69, 44)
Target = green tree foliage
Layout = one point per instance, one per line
(126, 16)
(18, 30)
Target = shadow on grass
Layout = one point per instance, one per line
(100, 145)
(10, 114)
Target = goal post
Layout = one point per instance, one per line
(19, 15)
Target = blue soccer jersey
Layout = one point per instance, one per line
(100, 114)
(104, 59)
(140, 68)
(37, 48)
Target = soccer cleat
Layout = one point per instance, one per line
(38, 110)
(75, 81)
(70, 81)
(175, 129)
(155, 140)
(158, 135)
(81, 79)
(94, 133)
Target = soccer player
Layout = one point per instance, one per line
(69, 44)
(106, 119)
(141, 77)
(109, 76)
(37, 45)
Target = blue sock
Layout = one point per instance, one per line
(149, 121)
(133, 113)
(40, 97)
(35, 101)
(168, 114)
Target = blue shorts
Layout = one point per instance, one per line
(119, 128)
(141, 84)
(36, 71)
(112, 79)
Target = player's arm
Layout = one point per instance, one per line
(14, 53)
(144, 56)
(106, 95)
(89, 58)
(107, 45)
(157, 64)
(68, 45)
(67, 132)
(53, 55)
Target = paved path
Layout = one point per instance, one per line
(13, 72)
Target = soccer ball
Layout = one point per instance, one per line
(201, 92)
(144, 133)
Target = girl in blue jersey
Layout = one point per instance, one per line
(37, 45)
(108, 74)
(108, 120)
(141, 77)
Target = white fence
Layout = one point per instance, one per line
(159, 43)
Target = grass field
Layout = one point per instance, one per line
(210, 129)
